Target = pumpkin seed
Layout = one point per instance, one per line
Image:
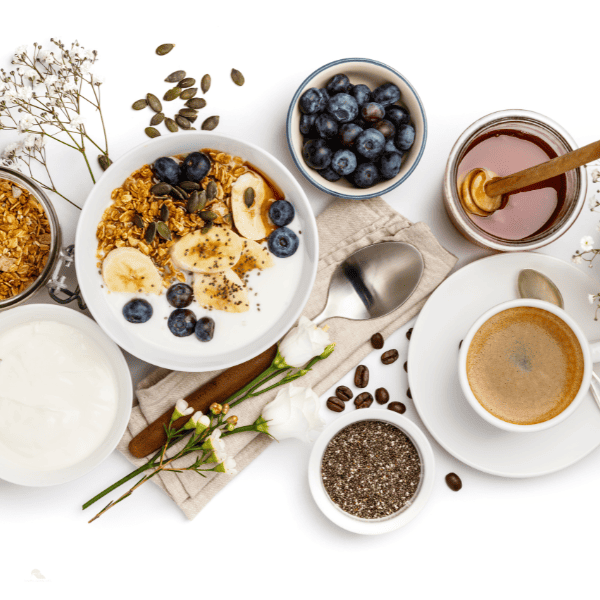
(163, 231)
(189, 186)
(175, 76)
(171, 125)
(150, 233)
(182, 193)
(211, 190)
(164, 213)
(152, 132)
(164, 49)
(207, 227)
(210, 123)
(182, 122)
(139, 104)
(193, 203)
(154, 103)
(178, 192)
(104, 161)
(208, 215)
(237, 77)
(157, 119)
(228, 218)
(196, 103)
(189, 93)
(161, 189)
(187, 82)
(172, 94)
(138, 221)
(188, 112)
(202, 199)
(249, 197)
(205, 83)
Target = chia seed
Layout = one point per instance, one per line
(371, 469)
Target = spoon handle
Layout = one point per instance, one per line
(547, 170)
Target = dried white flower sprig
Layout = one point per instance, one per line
(45, 96)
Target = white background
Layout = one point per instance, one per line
(263, 535)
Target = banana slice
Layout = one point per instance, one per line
(252, 221)
(216, 250)
(129, 270)
(254, 256)
(221, 291)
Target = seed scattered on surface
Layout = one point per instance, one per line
(154, 103)
(164, 213)
(161, 189)
(157, 119)
(182, 122)
(211, 190)
(344, 393)
(405, 365)
(377, 341)
(335, 404)
(460, 344)
(187, 112)
(188, 82)
(229, 219)
(182, 193)
(363, 400)
(175, 77)
(104, 161)
(397, 407)
(409, 393)
(150, 233)
(189, 186)
(389, 357)
(210, 123)
(409, 333)
(164, 49)
(207, 227)
(196, 103)
(178, 192)
(453, 481)
(382, 396)
(138, 221)
(361, 376)
(189, 93)
(208, 215)
(193, 202)
(171, 125)
(139, 104)
(237, 77)
(163, 231)
(152, 132)
(172, 94)
(205, 83)
(249, 195)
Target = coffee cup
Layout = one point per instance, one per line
(525, 365)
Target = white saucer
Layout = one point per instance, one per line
(433, 371)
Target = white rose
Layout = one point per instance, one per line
(303, 343)
(294, 413)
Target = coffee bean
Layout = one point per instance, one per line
(361, 377)
(344, 393)
(377, 341)
(460, 344)
(363, 400)
(389, 357)
(409, 333)
(397, 407)
(382, 396)
(453, 482)
(405, 365)
(408, 393)
(335, 404)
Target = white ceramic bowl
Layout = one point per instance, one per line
(98, 200)
(61, 314)
(371, 526)
(371, 73)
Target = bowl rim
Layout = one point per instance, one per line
(302, 168)
(303, 293)
(394, 521)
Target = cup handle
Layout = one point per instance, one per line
(595, 351)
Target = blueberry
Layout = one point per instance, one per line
(180, 295)
(389, 165)
(370, 143)
(137, 311)
(343, 107)
(344, 162)
(361, 123)
(281, 213)
(338, 84)
(307, 122)
(312, 101)
(390, 146)
(324, 97)
(386, 94)
(398, 115)
(182, 322)
(205, 329)
(283, 242)
(326, 126)
(167, 170)
(405, 137)
(372, 112)
(329, 174)
(386, 127)
(348, 134)
(195, 166)
(361, 93)
(365, 175)
(316, 154)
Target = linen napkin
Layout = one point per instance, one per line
(343, 228)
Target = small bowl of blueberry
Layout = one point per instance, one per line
(356, 128)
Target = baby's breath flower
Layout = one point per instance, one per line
(587, 243)
(31, 74)
(25, 123)
(591, 298)
(78, 122)
(20, 51)
(576, 258)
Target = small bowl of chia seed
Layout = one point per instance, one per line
(371, 471)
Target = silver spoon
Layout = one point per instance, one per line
(373, 281)
(533, 284)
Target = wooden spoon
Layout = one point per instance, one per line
(487, 192)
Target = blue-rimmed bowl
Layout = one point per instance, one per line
(371, 73)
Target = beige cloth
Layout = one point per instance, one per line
(343, 228)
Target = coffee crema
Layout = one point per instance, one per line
(525, 365)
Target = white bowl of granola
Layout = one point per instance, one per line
(221, 290)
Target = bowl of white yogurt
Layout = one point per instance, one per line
(65, 395)
(273, 297)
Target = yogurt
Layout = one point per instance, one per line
(58, 395)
